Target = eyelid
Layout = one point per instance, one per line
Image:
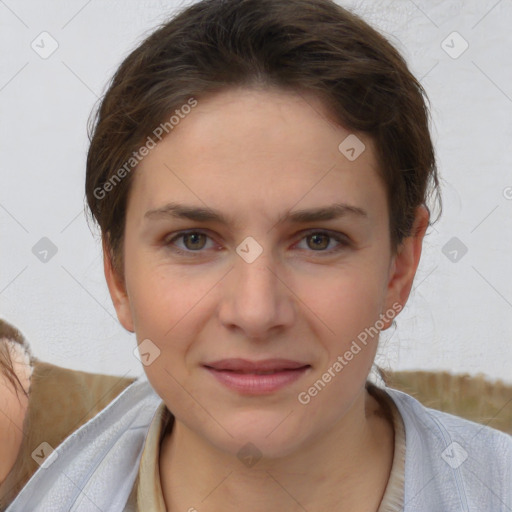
(168, 241)
(342, 239)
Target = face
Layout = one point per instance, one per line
(234, 250)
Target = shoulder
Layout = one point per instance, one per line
(461, 463)
(102, 455)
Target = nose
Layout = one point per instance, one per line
(256, 298)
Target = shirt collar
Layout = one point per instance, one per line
(148, 486)
(149, 489)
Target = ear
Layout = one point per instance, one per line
(117, 289)
(404, 265)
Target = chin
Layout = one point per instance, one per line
(255, 436)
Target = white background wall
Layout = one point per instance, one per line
(459, 316)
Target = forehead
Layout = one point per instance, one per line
(260, 149)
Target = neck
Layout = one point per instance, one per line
(346, 469)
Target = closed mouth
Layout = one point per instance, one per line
(260, 372)
(262, 367)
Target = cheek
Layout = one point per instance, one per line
(160, 294)
(347, 300)
(350, 310)
(162, 306)
(165, 312)
(170, 309)
(351, 349)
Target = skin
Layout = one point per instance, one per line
(256, 155)
(13, 408)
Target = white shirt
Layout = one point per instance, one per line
(451, 464)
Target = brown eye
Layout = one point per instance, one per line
(194, 241)
(324, 242)
(318, 240)
(189, 243)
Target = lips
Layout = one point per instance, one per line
(257, 377)
(263, 367)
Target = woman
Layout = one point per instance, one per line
(260, 170)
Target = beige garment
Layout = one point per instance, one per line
(147, 491)
(393, 499)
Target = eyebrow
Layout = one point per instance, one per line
(205, 214)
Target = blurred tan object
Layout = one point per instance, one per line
(472, 397)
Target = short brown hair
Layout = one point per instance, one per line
(294, 45)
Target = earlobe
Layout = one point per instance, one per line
(117, 289)
(405, 263)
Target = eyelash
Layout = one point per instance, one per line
(338, 237)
